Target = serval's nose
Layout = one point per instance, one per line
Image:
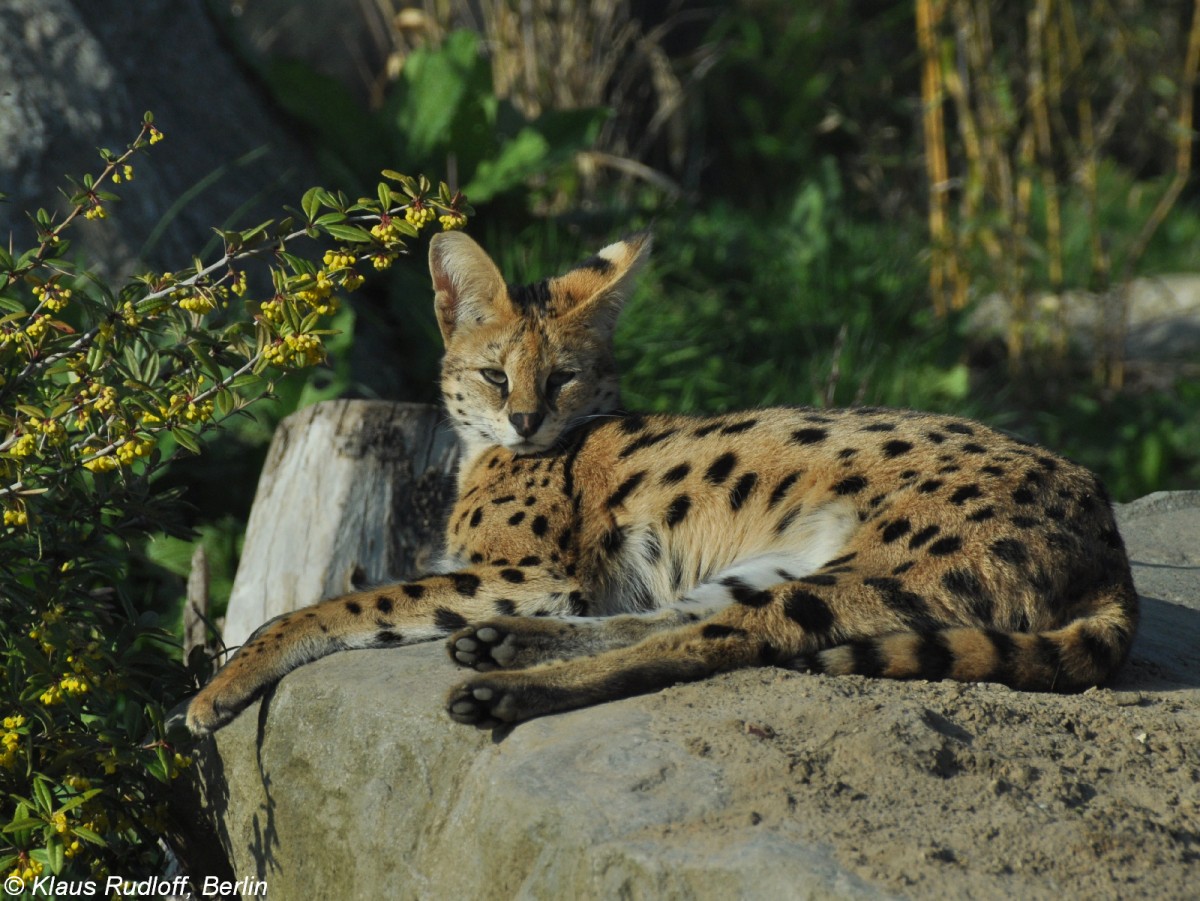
(526, 423)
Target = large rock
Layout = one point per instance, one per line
(78, 76)
(348, 781)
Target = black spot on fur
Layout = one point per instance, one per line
(597, 263)
(808, 611)
(909, 606)
(935, 660)
(840, 561)
(868, 659)
(530, 298)
(851, 485)
(818, 579)
(707, 429)
(967, 492)
(512, 575)
(645, 441)
(902, 568)
(983, 514)
(847, 453)
(948, 545)
(895, 529)
(1011, 551)
(1023, 496)
(958, 428)
(448, 619)
(935, 437)
(476, 517)
(466, 584)
(508, 498)
(505, 607)
(923, 536)
(353, 607)
(718, 471)
(879, 427)
(612, 540)
(929, 486)
(530, 561)
(539, 526)
(632, 423)
(738, 427)
(972, 448)
(577, 605)
(741, 490)
(383, 604)
(785, 521)
(745, 594)
(676, 474)
(896, 447)
(782, 489)
(966, 586)
(678, 510)
(414, 591)
(516, 518)
(624, 489)
(810, 436)
(993, 470)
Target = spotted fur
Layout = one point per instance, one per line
(594, 554)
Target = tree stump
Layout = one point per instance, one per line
(353, 493)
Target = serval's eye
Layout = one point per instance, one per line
(495, 376)
(560, 378)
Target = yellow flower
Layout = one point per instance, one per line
(14, 722)
(95, 211)
(155, 135)
(23, 446)
(107, 463)
(38, 327)
(197, 302)
(106, 399)
(15, 517)
(239, 284)
(452, 221)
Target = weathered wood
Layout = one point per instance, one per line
(353, 494)
(196, 611)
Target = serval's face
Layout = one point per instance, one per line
(524, 365)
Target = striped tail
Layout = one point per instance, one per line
(1084, 652)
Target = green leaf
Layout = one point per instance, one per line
(310, 203)
(55, 853)
(23, 823)
(41, 793)
(186, 440)
(351, 233)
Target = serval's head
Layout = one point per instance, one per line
(525, 364)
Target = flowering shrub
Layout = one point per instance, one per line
(101, 386)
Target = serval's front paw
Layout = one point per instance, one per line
(230, 692)
(485, 703)
(208, 712)
(509, 642)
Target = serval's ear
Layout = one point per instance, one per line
(468, 288)
(597, 288)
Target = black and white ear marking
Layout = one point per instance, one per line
(600, 285)
(467, 285)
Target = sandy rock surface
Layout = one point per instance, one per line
(349, 782)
